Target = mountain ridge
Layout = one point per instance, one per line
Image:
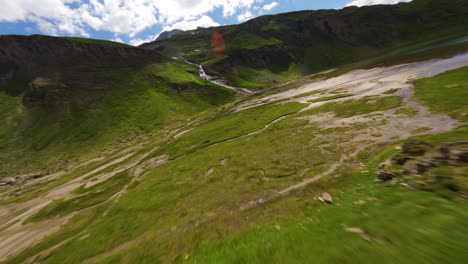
(277, 48)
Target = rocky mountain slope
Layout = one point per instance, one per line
(277, 48)
(52, 64)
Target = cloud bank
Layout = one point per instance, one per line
(137, 20)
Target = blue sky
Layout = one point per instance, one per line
(139, 21)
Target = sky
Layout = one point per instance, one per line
(138, 21)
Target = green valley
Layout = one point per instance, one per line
(328, 136)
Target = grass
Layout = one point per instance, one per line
(179, 73)
(392, 91)
(179, 212)
(138, 104)
(247, 77)
(307, 94)
(391, 217)
(445, 93)
(105, 43)
(249, 41)
(10, 108)
(232, 126)
(358, 107)
(407, 111)
(328, 98)
(85, 198)
(174, 195)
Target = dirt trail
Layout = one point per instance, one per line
(16, 236)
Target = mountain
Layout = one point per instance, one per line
(79, 96)
(169, 34)
(274, 49)
(118, 154)
(60, 64)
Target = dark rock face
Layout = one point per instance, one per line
(45, 92)
(46, 69)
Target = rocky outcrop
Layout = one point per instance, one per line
(326, 198)
(47, 69)
(46, 93)
(424, 166)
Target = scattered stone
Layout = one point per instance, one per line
(326, 198)
(360, 202)
(209, 172)
(354, 230)
(358, 231)
(8, 181)
(29, 176)
(278, 227)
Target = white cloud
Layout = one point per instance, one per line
(117, 39)
(375, 2)
(245, 16)
(50, 16)
(120, 17)
(203, 21)
(139, 41)
(270, 6)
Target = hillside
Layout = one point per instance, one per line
(118, 154)
(80, 97)
(274, 49)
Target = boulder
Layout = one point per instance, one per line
(386, 175)
(326, 198)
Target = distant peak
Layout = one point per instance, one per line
(168, 34)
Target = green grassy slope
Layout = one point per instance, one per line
(392, 218)
(139, 103)
(446, 93)
(188, 209)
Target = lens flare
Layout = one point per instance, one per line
(217, 43)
